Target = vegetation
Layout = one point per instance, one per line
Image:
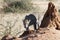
(59, 10)
(18, 6)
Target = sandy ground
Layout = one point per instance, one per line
(45, 34)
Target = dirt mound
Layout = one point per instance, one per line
(51, 18)
(26, 33)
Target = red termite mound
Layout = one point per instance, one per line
(51, 18)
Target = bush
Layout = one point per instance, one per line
(16, 6)
(59, 10)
